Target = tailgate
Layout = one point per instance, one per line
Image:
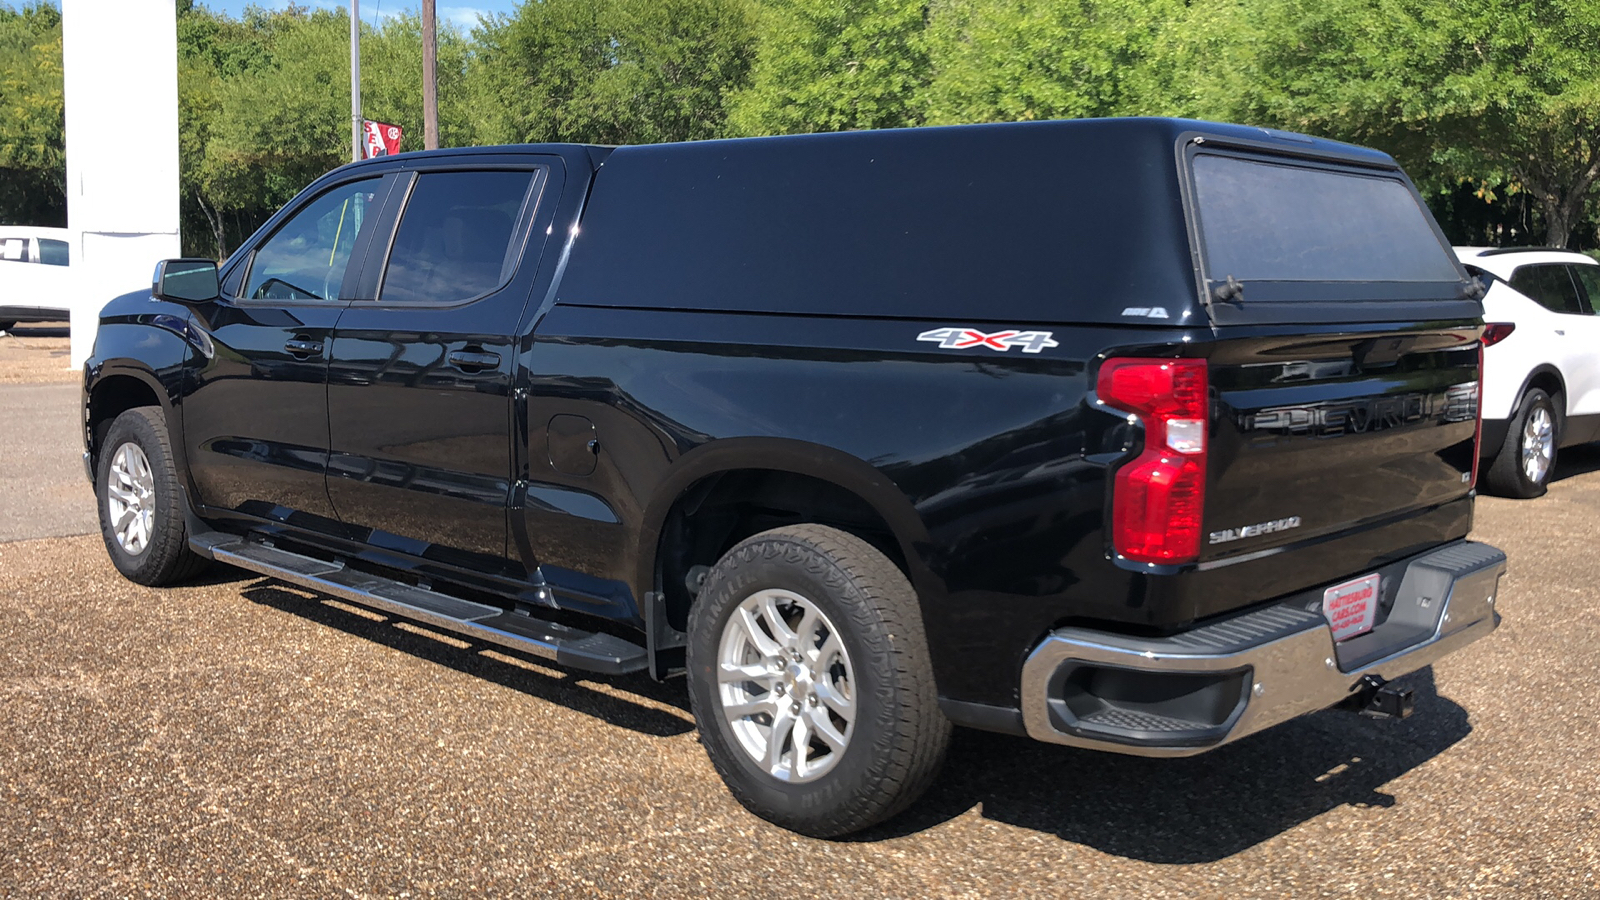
(1316, 435)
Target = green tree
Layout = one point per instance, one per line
(33, 177)
(1011, 60)
(1491, 92)
(823, 65)
(610, 71)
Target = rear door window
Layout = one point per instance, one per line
(1263, 221)
(1588, 278)
(457, 236)
(1548, 285)
(14, 250)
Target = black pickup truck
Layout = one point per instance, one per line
(1140, 435)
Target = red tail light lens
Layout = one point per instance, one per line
(1157, 499)
(1495, 332)
(1477, 433)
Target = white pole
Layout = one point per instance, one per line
(355, 80)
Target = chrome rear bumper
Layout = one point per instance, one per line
(1255, 670)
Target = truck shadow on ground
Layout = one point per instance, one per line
(576, 691)
(1190, 810)
(1575, 461)
(1175, 811)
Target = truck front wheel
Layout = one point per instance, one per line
(810, 681)
(141, 508)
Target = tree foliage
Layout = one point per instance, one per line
(33, 167)
(1493, 105)
(826, 65)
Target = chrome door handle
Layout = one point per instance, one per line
(303, 348)
(1561, 331)
(474, 359)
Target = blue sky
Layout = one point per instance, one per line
(462, 12)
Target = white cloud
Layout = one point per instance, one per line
(465, 17)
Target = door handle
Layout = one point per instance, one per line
(302, 348)
(1561, 331)
(474, 359)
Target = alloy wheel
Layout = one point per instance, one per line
(1538, 445)
(131, 498)
(786, 685)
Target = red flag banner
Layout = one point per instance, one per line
(382, 139)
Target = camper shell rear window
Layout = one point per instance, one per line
(1267, 221)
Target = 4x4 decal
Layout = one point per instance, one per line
(961, 338)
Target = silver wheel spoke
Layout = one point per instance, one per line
(752, 708)
(756, 672)
(780, 628)
(782, 728)
(839, 704)
(823, 726)
(819, 658)
(764, 645)
(802, 747)
(806, 631)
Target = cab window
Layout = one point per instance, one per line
(456, 237)
(306, 258)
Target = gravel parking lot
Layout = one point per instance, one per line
(242, 737)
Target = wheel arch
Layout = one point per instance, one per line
(869, 504)
(115, 389)
(1547, 378)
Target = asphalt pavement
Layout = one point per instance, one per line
(43, 492)
(240, 737)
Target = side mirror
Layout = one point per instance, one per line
(186, 280)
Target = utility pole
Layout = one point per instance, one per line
(430, 83)
(355, 80)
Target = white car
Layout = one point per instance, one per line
(33, 274)
(1541, 388)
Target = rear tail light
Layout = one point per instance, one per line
(1157, 499)
(1495, 332)
(1477, 433)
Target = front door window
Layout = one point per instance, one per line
(306, 258)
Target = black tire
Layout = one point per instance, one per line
(1507, 476)
(164, 557)
(7, 326)
(898, 737)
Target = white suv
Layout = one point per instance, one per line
(1541, 388)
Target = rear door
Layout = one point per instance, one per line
(1583, 379)
(419, 396)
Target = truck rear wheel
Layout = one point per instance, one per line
(141, 507)
(1526, 460)
(810, 681)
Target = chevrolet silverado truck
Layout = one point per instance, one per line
(1140, 435)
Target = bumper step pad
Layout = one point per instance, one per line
(563, 644)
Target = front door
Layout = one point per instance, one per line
(419, 393)
(255, 421)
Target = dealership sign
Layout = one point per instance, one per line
(380, 138)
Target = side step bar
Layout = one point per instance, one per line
(563, 644)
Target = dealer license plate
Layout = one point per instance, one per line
(1352, 608)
